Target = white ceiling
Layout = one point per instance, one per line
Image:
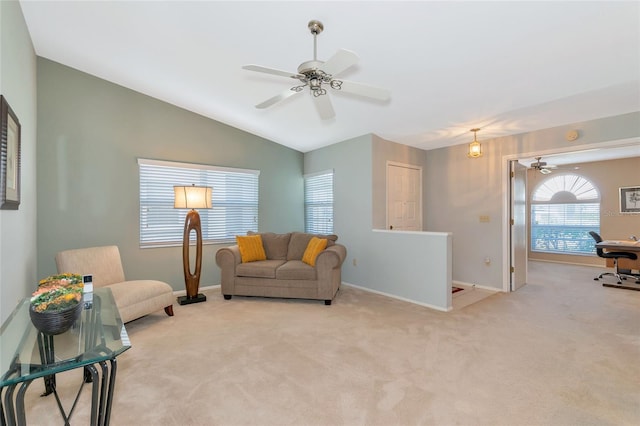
(506, 67)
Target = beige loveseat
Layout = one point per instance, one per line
(283, 273)
(135, 298)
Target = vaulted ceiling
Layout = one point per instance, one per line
(505, 67)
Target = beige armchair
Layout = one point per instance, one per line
(135, 298)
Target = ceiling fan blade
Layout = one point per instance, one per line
(273, 71)
(365, 90)
(339, 62)
(277, 98)
(324, 106)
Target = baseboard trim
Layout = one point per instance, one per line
(404, 299)
(471, 285)
(568, 263)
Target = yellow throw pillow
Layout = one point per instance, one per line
(315, 246)
(251, 248)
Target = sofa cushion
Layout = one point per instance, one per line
(275, 245)
(299, 242)
(259, 269)
(315, 246)
(296, 270)
(251, 248)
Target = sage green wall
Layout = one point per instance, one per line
(18, 276)
(460, 189)
(90, 135)
(390, 263)
(351, 163)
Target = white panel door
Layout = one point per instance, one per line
(404, 197)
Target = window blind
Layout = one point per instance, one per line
(318, 202)
(564, 208)
(564, 228)
(234, 200)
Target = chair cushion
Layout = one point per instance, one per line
(102, 262)
(141, 297)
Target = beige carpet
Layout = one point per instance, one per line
(563, 350)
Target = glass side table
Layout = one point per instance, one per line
(93, 343)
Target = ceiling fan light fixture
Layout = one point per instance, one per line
(475, 149)
(318, 76)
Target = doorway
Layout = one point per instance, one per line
(591, 150)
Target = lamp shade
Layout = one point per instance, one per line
(192, 197)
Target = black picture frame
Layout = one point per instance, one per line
(630, 199)
(9, 157)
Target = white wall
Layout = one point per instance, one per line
(18, 277)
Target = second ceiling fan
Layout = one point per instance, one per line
(542, 166)
(318, 76)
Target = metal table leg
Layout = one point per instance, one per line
(20, 411)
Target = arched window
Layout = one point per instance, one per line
(564, 208)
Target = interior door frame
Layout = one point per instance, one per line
(506, 206)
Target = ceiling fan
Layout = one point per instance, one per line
(318, 76)
(542, 166)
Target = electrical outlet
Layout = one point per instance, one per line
(355, 262)
(484, 219)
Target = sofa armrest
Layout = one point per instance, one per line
(329, 270)
(332, 257)
(227, 258)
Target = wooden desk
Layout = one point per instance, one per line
(622, 245)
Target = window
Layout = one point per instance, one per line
(235, 202)
(318, 202)
(563, 210)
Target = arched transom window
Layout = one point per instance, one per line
(564, 208)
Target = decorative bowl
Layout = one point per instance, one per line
(55, 322)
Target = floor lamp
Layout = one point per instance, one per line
(192, 197)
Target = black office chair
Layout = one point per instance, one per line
(615, 255)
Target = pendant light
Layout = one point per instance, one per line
(475, 149)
